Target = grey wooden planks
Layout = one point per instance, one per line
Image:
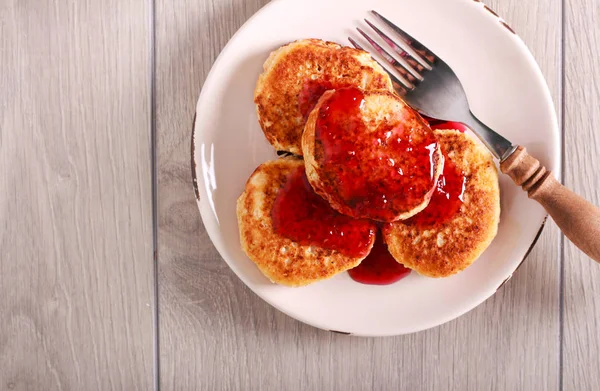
(582, 158)
(75, 205)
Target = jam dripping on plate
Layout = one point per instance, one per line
(379, 267)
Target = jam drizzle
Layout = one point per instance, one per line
(310, 94)
(379, 267)
(435, 123)
(446, 199)
(303, 216)
(373, 174)
(448, 195)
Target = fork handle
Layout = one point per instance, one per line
(577, 218)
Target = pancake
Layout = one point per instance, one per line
(439, 241)
(296, 75)
(271, 211)
(370, 155)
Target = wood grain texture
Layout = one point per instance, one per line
(577, 218)
(216, 334)
(582, 155)
(75, 204)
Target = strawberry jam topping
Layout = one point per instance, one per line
(446, 199)
(301, 215)
(310, 94)
(379, 267)
(373, 173)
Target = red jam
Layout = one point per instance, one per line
(446, 200)
(303, 216)
(441, 124)
(310, 94)
(379, 267)
(377, 174)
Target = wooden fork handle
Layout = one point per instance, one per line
(578, 219)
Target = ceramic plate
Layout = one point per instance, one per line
(505, 88)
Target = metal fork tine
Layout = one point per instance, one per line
(413, 65)
(406, 71)
(399, 85)
(425, 55)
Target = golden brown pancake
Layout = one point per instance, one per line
(281, 259)
(370, 155)
(442, 249)
(296, 75)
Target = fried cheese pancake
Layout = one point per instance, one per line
(278, 230)
(450, 234)
(297, 74)
(370, 155)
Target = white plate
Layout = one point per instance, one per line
(506, 89)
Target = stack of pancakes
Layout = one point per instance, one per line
(300, 83)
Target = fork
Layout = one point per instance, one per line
(430, 86)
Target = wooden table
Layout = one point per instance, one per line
(100, 290)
